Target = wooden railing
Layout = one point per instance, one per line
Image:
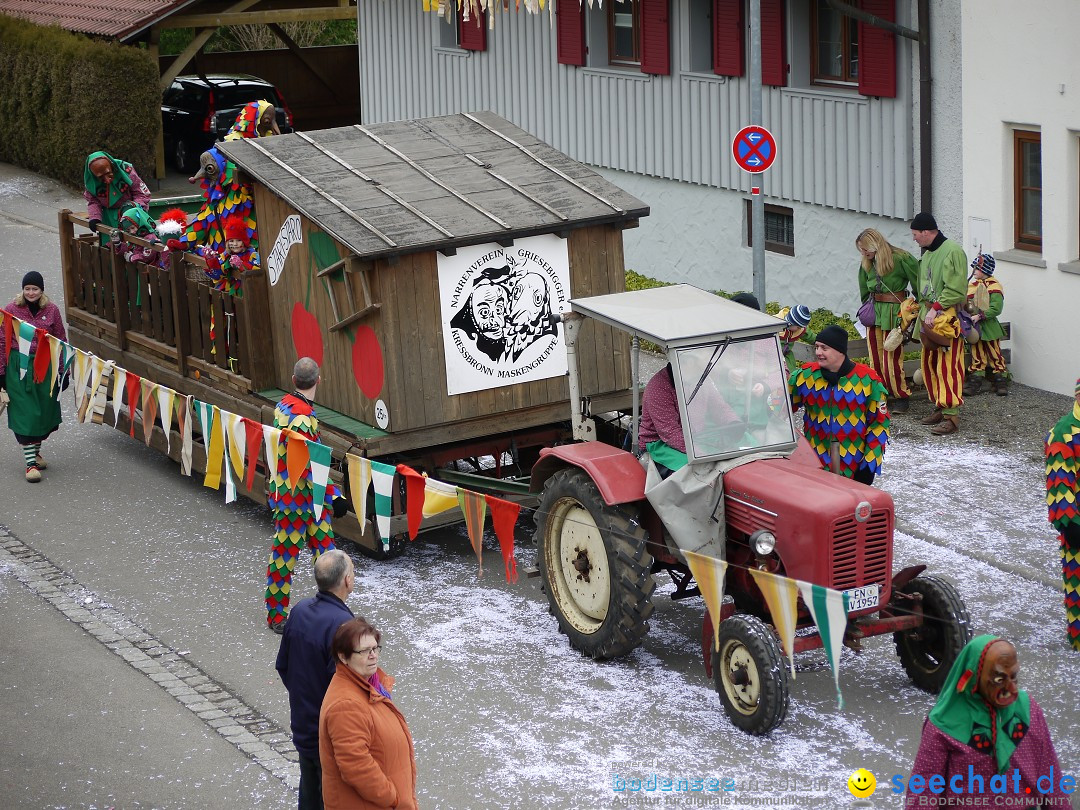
(173, 312)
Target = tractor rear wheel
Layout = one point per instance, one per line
(927, 652)
(594, 566)
(749, 675)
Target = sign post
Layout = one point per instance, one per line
(757, 207)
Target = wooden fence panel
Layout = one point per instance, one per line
(194, 309)
(204, 307)
(221, 329)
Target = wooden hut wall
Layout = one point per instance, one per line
(408, 331)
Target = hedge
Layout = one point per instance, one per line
(63, 95)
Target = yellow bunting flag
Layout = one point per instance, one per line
(359, 483)
(474, 507)
(297, 457)
(236, 440)
(782, 596)
(709, 573)
(214, 441)
(438, 497)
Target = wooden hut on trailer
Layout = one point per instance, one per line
(424, 265)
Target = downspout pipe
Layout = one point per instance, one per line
(922, 36)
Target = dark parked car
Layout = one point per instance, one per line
(197, 111)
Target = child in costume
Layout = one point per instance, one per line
(170, 226)
(985, 300)
(135, 221)
(798, 321)
(226, 268)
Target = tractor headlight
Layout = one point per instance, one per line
(763, 541)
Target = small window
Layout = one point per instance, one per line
(448, 29)
(779, 228)
(834, 46)
(624, 32)
(1027, 190)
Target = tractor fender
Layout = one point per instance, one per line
(618, 474)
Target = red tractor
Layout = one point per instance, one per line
(601, 541)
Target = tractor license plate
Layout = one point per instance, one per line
(863, 598)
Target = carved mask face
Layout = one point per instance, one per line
(997, 679)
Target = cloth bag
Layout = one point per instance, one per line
(867, 314)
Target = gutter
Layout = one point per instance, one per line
(922, 36)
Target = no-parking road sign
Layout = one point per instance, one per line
(754, 149)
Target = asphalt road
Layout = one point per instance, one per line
(136, 670)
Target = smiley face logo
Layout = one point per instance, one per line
(862, 783)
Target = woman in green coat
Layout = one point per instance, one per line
(886, 272)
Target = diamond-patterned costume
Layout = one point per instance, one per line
(852, 413)
(225, 198)
(1062, 494)
(294, 515)
(987, 352)
(247, 122)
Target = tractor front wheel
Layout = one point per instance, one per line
(594, 566)
(748, 671)
(927, 652)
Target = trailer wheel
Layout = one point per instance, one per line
(595, 569)
(749, 675)
(927, 652)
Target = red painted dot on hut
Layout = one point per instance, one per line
(367, 362)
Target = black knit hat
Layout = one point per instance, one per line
(924, 222)
(835, 337)
(747, 300)
(33, 278)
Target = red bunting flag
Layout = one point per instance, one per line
(42, 357)
(9, 332)
(134, 386)
(504, 515)
(414, 497)
(253, 438)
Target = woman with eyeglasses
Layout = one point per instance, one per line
(365, 746)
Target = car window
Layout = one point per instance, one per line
(238, 96)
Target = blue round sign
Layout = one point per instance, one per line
(754, 149)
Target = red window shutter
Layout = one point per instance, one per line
(729, 38)
(773, 44)
(877, 52)
(570, 32)
(655, 36)
(472, 34)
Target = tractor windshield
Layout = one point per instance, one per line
(733, 398)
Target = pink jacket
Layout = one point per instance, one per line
(48, 318)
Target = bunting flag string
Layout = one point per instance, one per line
(297, 459)
(414, 498)
(149, 403)
(320, 474)
(438, 497)
(236, 441)
(272, 440)
(230, 484)
(709, 573)
(166, 397)
(474, 507)
(82, 378)
(119, 386)
(782, 596)
(829, 610)
(382, 478)
(42, 357)
(133, 386)
(86, 408)
(253, 437)
(359, 469)
(56, 357)
(26, 333)
(184, 406)
(213, 440)
(504, 515)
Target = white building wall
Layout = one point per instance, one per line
(1022, 71)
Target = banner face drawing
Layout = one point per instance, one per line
(500, 310)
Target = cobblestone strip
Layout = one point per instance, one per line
(254, 734)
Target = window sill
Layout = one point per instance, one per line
(622, 73)
(1021, 257)
(837, 94)
(1070, 267)
(444, 50)
(704, 75)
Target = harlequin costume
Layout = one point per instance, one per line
(987, 296)
(942, 287)
(225, 198)
(1063, 505)
(845, 410)
(105, 202)
(294, 515)
(889, 292)
(225, 269)
(964, 737)
(249, 122)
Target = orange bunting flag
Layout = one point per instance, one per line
(414, 497)
(474, 507)
(149, 409)
(42, 356)
(782, 596)
(504, 515)
(253, 435)
(709, 573)
(133, 384)
(297, 457)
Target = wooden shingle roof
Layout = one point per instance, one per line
(106, 18)
(432, 183)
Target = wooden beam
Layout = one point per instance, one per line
(184, 59)
(260, 17)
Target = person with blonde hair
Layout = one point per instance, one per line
(886, 272)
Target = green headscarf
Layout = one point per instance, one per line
(961, 713)
(121, 181)
(143, 221)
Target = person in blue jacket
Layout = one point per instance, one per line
(306, 666)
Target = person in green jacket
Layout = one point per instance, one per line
(985, 300)
(941, 288)
(886, 272)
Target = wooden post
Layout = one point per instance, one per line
(121, 304)
(67, 236)
(254, 334)
(180, 310)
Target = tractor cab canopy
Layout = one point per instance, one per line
(726, 363)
